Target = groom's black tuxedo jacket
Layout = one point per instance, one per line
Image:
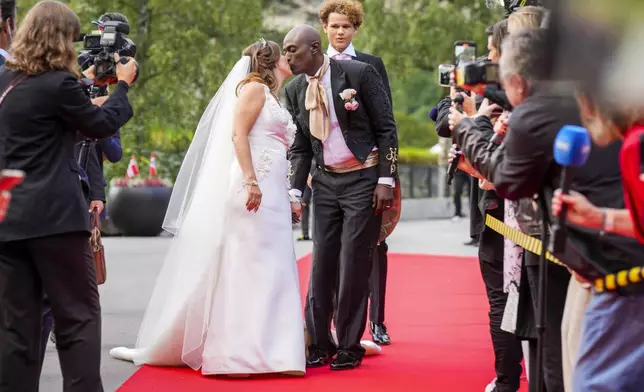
(372, 124)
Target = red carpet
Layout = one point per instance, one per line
(437, 317)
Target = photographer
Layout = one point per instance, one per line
(44, 238)
(7, 27)
(507, 348)
(524, 166)
(613, 322)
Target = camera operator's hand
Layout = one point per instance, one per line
(464, 164)
(96, 204)
(454, 117)
(100, 100)
(126, 72)
(501, 125)
(580, 211)
(89, 73)
(487, 108)
(469, 104)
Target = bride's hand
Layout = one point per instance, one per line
(254, 197)
(296, 211)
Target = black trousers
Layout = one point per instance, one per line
(346, 234)
(306, 212)
(557, 281)
(507, 348)
(59, 266)
(461, 182)
(378, 284)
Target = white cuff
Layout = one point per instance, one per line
(387, 181)
(294, 195)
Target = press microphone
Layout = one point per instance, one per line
(451, 169)
(571, 150)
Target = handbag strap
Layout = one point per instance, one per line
(11, 86)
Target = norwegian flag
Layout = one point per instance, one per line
(132, 168)
(153, 165)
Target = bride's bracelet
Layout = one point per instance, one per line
(251, 183)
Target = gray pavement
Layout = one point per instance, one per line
(133, 264)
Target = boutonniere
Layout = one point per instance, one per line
(348, 96)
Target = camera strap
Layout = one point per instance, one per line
(11, 86)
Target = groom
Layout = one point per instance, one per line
(345, 121)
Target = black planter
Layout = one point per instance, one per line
(138, 212)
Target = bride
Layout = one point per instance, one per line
(227, 300)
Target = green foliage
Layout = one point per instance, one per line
(185, 50)
(414, 133)
(417, 156)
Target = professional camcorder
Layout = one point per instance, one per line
(100, 47)
(468, 69)
(512, 5)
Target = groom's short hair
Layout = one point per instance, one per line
(349, 8)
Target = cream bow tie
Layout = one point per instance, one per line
(317, 104)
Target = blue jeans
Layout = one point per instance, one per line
(611, 354)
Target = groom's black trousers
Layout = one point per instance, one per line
(346, 233)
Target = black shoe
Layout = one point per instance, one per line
(304, 238)
(346, 361)
(318, 358)
(379, 334)
(472, 243)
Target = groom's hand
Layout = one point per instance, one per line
(383, 198)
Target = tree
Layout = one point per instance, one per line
(414, 36)
(185, 50)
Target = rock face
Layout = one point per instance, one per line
(292, 12)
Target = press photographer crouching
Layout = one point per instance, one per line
(524, 166)
(44, 237)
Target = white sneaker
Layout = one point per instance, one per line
(491, 387)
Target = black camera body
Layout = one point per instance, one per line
(471, 73)
(99, 50)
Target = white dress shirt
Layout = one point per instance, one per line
(334, 148)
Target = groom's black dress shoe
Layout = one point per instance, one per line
(379, 334)
(318, 358)
(346, 360)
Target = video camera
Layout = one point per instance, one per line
(512, 5)
(468, 69)
(100, 47)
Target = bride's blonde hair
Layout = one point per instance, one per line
(264, 56)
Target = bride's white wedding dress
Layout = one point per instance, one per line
(228, 298)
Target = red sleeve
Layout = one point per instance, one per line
(630, 160)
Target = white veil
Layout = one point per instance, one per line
(196, 215)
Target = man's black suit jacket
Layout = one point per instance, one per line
(40, 119)
(372, 124)
(378, 65)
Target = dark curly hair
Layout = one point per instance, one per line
(349, 8)
(264, 56)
